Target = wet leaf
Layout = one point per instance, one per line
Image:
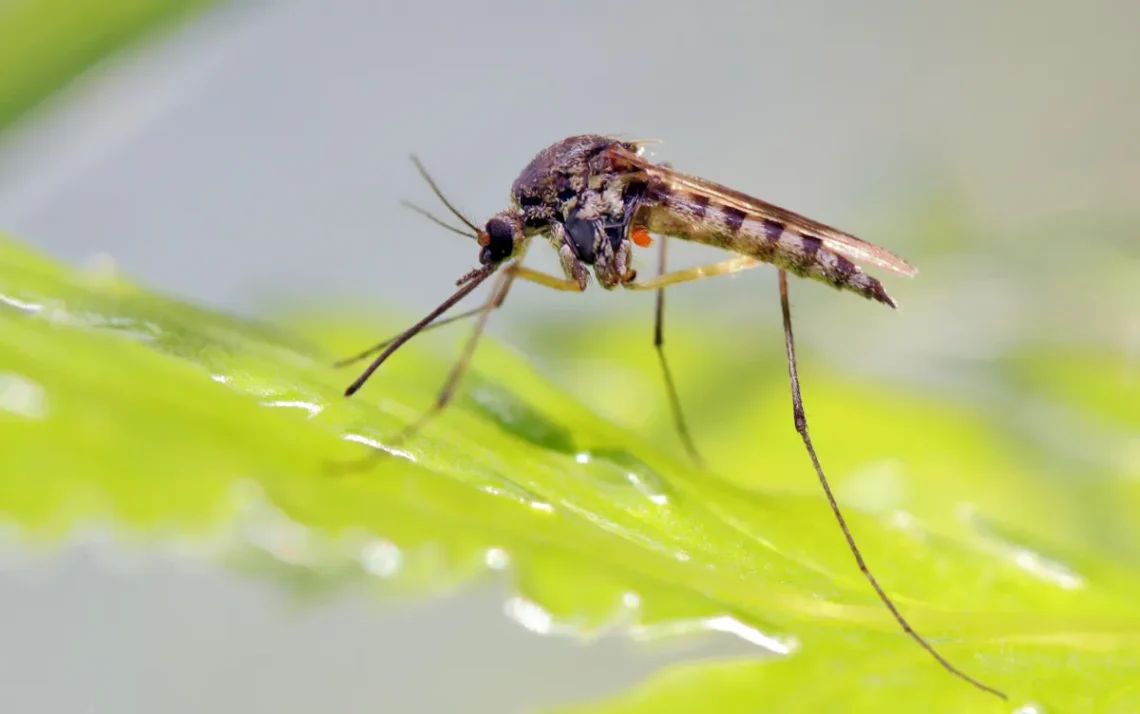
(171, 423)
(45, 45)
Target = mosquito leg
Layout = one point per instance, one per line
(546, 279)
(724, 267)
(466, 285)
(659, 284)
(670, 387)
(438, 323)
(381, 345)
(499, 293)
(802, 428)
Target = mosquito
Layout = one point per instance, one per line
(594, 197)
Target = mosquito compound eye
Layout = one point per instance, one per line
(500, 241)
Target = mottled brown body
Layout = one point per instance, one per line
(695, 217)
(587, 193)
(572, 193)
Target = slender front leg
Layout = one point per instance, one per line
(466, 284)
(438, 323)
(533, 276)
(498, 294)
(545, 279)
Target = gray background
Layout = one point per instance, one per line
(256, 157)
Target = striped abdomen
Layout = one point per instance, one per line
(703, 219)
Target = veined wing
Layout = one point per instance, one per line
(835, 240)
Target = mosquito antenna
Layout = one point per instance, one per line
(467, 283)
(802, 428)
(436, 220)
(439, 194)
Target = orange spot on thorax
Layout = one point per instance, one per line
(641, 236)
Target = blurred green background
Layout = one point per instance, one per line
(245, 164)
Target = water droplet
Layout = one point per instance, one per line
(620, 467)
(530, 615)
(22, 396)
(269, 529)
(721, 623)
(497, 558)
(1047, 569)
(511, 490)
(877, 487)
(518, 418)
(537, 619)
(382, 558)
(1029, 559)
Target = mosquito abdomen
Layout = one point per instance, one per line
(702, 219)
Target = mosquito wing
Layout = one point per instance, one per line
(837, 241)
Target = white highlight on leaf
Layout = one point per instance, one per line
(537, 619)
(22, 396)
(382, 558)
(361, 439)
(310, 407)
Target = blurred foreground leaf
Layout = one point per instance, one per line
(44, 44)
(166, 422)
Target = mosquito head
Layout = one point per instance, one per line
(498, 239)
(502, 235)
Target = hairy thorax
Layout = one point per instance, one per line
(572, 193)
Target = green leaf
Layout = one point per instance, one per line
(175, 424)
(44, 44)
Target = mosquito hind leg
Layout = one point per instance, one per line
(659, 345)
(724, 267)
(659, 283)
(802, 427)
